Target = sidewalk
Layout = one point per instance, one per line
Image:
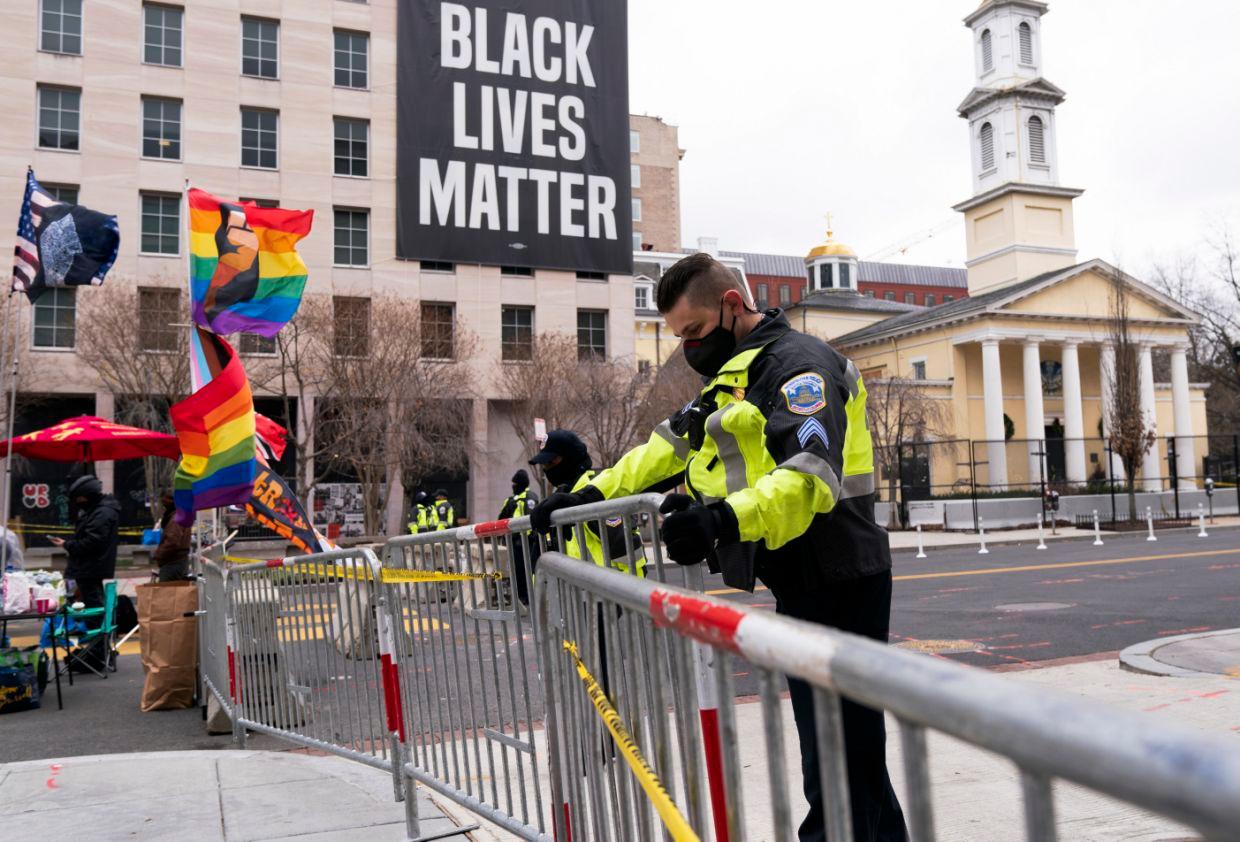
(1187, 655)
(206, 795)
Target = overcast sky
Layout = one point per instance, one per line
(788, 109)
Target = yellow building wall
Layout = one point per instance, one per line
(1017, 219)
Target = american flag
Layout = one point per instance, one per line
(26, 253)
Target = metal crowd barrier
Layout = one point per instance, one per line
(620, 704)
(213, 651)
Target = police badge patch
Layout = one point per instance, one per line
(805, 393)
(613, 522)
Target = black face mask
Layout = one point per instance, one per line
(708, 354)
(561, 474)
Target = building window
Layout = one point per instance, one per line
(869, 293)
(437, 336)
(1037, 141)
(988, 61)
(635, 175)
(825, 280)
(251, 344)
(761, 299)
(919, 370)
(637, 241)
(948, 298)
(60, 112)
(591, 276)
(644, 367)
(161, 128)
(591, 334)
(260, 130)
(785, 295)
(1024, 34)
(845, 280)
(929, 299)
(61, 27)
(352, 58)
(987, 136)
(889, 296)
(161, 223)
(516, 327)
(910, 298)
(351, 326)
(517, 271)
(55, 318)
(162, 34)
(437, 266)
(637, 210)
(352, 237)
(67, 193)
(352, 139)
(159, 311)
(260, 48)
(641, 297)
(635, 142)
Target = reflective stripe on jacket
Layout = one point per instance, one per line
(617, 543)
(780, 434)
(421, 519)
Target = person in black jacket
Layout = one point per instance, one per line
(92, 549)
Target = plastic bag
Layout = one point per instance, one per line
(23, 678)
(16, 593)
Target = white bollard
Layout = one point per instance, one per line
(1149, 521)
(921, 553)
(1097, 530)
(1041, 538)
(1201, 519)
(981, 536)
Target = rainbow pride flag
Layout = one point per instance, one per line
(216, 429)
(245, 273)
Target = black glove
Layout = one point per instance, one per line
(540, 517)
(692, 530)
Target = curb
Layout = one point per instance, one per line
(1001, 542)
(1140, 658)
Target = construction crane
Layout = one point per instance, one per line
(902, 246)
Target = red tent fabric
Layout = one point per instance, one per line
(91, 439)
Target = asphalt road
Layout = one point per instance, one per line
(1017, 605)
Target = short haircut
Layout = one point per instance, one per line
(698, 276)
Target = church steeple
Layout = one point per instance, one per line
(1019, 221)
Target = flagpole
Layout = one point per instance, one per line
(15, 330)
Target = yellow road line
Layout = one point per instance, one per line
(1025, 568)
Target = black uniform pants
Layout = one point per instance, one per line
(861, 606)
(90, 591)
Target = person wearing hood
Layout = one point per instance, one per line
(519, 505)
(566, 463)
(92, 550)
(172, 554)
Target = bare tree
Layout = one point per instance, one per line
(899, 412)
(673, 385)
(544, 387)
(1130, 433)
(142, 357)
(399, 405)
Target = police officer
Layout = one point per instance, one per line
(443, 516)
(779, 464)
(566, 464)
(421, 513)
(519, 505)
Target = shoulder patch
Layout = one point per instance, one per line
(616, 521)
(805, 393)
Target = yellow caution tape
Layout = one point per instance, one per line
(41, 529)
(673, 819)
(387, 575)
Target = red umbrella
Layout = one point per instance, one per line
(91, 439)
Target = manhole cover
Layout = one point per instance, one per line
(940, 647)
(1033, 606)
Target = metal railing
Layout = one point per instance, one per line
(214, 653)
(1167, 770)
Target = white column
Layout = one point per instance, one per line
(1106, 377)
(305, 455)
(1035, 416)
(1073, 421)
(105, 407)
(1150, 469)
(1185, 463)
(992, 393)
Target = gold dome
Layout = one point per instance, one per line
(830, 249)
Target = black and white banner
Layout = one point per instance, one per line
(513, 133)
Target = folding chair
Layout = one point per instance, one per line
(74, 642)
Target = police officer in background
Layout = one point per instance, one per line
(421, 513)
(519, 505)
(778, 461)
(443, 516)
